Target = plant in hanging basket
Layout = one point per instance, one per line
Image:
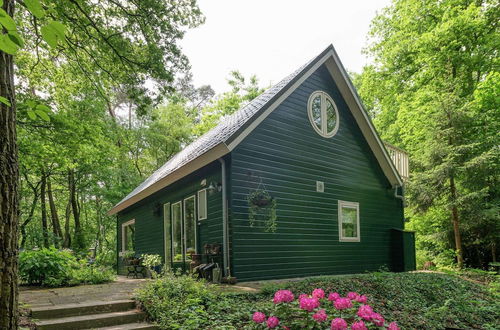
(262, 208)
(260, 198)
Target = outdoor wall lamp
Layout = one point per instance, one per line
(213, 187)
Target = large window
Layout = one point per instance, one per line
(177, 231)
(189, 227)
(323, 114)
(202, 204)
(128, 236)
(349, 230)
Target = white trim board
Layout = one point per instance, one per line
(125, 224)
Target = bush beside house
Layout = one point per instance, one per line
(414, 300)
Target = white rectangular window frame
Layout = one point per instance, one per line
(124, 234)
(202, 204)
(349, 205)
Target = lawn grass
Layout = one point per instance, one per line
(415, 300)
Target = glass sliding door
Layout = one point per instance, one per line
(189, 227)
(177, 246)
(167, 224)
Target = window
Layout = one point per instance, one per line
(189, 227)
(167, 235)
(323, 114)
(202, 204)
(128, 236)
(349, 222)
(177, 231)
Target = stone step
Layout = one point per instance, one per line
(58, 311)
(91, 321)
(130, 326)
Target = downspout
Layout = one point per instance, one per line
(225, 245)
(401, 197)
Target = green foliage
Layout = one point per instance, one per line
(151, 260)
(53, 33)
(53, 268)
(92, 275)
(176, 302)
(49, 267)
(415, 300)
(433, 90)
(226, 104)
(262, 209)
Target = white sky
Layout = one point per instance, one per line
(272, 38)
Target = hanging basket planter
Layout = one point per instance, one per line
(260, 198)
(262, 210)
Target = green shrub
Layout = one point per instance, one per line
(415, 300)
(49, 267)
(176, 302)
(54, 268)
(92, 275)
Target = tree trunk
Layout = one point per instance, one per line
(28, 219)
(456, 223)
(78, 238)
(56, 225)
(45, 230)
(9, 185)
(67, 234)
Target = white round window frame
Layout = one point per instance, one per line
(324, 97)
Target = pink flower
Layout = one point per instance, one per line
(377, 319)
(338, 324)
(360, 325)
(365, 312)
(283, 296)
(318, 293)
(352, 295)
(320, 316)
(308, 304)
(342, 303)
(393, 326)
(362, 299)
(273, 322)
(333, 296)
(303, 295)
(258, 317)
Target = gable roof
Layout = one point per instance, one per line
(234, 128)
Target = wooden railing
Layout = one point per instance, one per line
(399, 159)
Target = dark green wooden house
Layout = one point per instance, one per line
(295, 183)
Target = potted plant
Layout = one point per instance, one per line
(260, 198)
(129, 257)
(153, 263)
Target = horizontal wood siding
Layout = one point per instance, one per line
(149, 236)
(289, 157)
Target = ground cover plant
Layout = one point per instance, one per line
(413, 300)
(54, 268)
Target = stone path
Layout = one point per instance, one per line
(121, 289)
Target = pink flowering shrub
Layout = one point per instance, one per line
(319, 310)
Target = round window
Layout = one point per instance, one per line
(323, 114)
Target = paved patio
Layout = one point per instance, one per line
(121, 289)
